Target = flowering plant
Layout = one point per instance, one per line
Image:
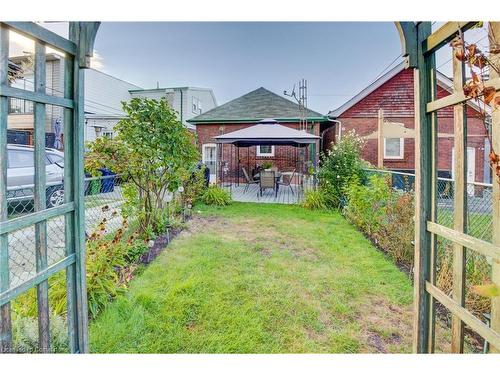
(341, 164)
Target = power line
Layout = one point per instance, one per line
(86, 102)
(387, 68)
(451, 58)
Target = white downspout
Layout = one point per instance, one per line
(336, 122)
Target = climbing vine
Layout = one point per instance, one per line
(476, 88)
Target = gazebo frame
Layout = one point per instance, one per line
(266, 133)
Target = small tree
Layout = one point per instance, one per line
(339, 166)
(152, 150)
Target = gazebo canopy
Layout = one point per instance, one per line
(267, 132)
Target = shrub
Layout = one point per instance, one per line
(397, 233)
(366, 203)
(25, 334)
(216, 196)
(315, 200)
(194, 187)
(385, 215)
(267, 165)
(339, 166)
(109, 266)
(153, 151)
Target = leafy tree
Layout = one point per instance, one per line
(153, 151)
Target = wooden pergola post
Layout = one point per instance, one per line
(380, 139)
(495, 129)
(423, 309)
(460, 202)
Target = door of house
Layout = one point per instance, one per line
(209, 158)
(471, 168)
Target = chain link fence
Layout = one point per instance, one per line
(478, 224)
(103, 201)
(102, 195)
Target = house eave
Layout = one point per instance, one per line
(251, 120)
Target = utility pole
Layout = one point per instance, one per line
(301, 99)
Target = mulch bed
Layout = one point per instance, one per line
(160, 243)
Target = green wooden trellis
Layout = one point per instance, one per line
(78, 50)
(419, 47)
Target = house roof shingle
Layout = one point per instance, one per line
(253, 107)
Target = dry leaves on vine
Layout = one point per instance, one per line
(486, 290)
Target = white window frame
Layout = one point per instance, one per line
(401, 149)
(108, 133)
(265, 153)
(204, 152)
(195, 105)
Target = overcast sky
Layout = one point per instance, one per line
(337, 59)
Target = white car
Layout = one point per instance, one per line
(21, 175)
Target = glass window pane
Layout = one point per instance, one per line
(266, 149)
(393, 147)
(20, 159)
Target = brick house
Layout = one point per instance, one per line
(393, 93)
(247, 111)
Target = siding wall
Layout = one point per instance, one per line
(54, 86)
(396, 98)
(104, 93)
(181, 100)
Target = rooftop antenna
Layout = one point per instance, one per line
(302, 102)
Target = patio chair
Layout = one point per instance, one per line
(268, 181)
(287, 180)
(250, 181)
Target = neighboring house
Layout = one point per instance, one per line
(20, 118)
(103, 97)
(187, 101)
(393, 93)
(246, 111)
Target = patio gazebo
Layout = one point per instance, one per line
(295, 157)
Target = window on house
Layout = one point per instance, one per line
(20, 106)
(393, 148)
(196, 108)
(265, 150)
(108, 134)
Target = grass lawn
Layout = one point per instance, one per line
(265, 278)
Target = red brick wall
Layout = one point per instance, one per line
(396, 98)
(284, 156)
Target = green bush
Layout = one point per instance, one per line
(109, 265)
(194, 188)
(384, 215)
(315, 200)
(153, 151)
(216, 196)
(366, 204)
(339, 166)
(25, 334)
(267, 165)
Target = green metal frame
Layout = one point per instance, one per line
(78, 50)
(419, 47)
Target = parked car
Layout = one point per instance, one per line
(21, 175)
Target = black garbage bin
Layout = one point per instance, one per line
(108, 181)
(207, 176)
